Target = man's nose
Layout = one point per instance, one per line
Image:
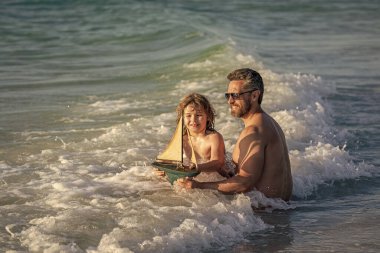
(230, 100)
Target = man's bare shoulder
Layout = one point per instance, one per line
(256, 124)
(250, 130)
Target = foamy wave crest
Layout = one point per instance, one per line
(322, 163)
(200, 65)
(185, 87)
(317, 154)
(193, 221)
(298, 102)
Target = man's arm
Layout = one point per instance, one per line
(250, 166)
(235, 184)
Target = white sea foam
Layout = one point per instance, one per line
(323, 163)
(200, 220)
(115, 106)
(199, 65)
(185, 87)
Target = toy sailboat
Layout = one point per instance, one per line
(171, 159)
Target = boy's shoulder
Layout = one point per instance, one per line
(213, 134)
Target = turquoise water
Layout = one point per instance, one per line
(88, 91)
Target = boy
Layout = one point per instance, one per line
(208, 144)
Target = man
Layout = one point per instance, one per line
(260, 154)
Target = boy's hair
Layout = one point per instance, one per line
(197, 99)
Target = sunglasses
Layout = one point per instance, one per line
(236, 95)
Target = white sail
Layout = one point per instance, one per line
(173, 152)
(193, 158)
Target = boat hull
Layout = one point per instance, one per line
(173, 172)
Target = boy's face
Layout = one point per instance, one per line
(195, 118)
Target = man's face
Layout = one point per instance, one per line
(241, 105)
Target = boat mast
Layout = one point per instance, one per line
(182, 139)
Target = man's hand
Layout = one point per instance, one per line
(187, 183)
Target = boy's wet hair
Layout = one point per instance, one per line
(197, 100)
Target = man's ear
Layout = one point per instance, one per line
(255, 95)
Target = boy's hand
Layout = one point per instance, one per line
(193, 166)
(159, 173)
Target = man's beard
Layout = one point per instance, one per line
(242, 110)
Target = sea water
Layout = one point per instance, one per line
(88, 91)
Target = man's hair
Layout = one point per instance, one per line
(252, 80)
(197, 99)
